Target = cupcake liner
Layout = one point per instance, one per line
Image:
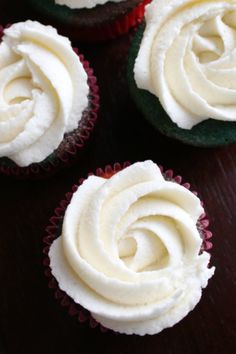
(53, 231)
(70, 25)
(112, 30)
(209, 133)
(68, 151)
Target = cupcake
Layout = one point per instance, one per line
(92, 20)
(129, 246)
(182, 67)
(49, 100)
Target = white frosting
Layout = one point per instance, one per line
(129, 250)
(43, 91)
(187, 58)
(81, 4)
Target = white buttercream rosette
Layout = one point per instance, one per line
(187, 58)
(81, 4)
(130, 250)
(43, 91)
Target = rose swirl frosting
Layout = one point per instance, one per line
(130, 250)
(187, 59)
(43, 91)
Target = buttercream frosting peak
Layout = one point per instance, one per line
(187, 59)
(43, 91)
(130, 250)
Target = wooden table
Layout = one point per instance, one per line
(31, 321)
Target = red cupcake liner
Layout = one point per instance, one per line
(68, 151)
(53, 231)
(111, 30)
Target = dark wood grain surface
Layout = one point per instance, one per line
(31, 321)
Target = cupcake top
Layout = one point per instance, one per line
(187, 59)
(81, 4)
(130, 250)
(43, 92)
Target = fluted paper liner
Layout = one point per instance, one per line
(111, 30)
